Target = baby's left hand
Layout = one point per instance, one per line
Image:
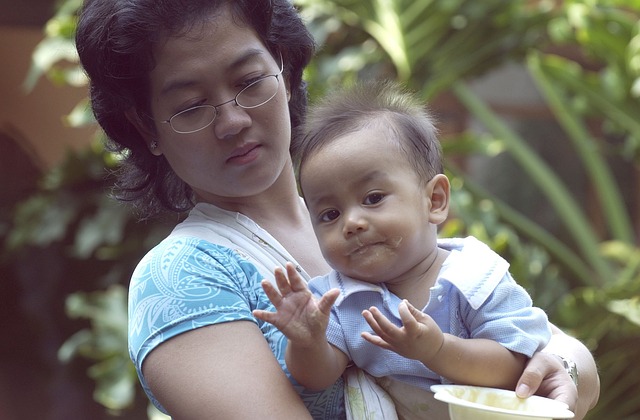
(419, 338)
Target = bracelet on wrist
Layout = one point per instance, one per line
(571, 368)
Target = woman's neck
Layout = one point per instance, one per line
(279, 202)
(281, 212)
(293, 229)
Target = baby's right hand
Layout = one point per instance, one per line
(299, 315)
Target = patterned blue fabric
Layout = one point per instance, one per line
(473, 297)
(185, 283)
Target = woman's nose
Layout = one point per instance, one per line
(230, 120)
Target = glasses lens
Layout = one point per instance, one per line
(193, 119)
(258, 93)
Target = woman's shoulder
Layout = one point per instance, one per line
(177, 257)
(184, 282)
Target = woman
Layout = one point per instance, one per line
(201, 98)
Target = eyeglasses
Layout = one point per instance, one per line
(255, 94)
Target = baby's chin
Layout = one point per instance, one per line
(365, 274)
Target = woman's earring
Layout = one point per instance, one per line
(154, 145)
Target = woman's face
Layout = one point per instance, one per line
(245, 151)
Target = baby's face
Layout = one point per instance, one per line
(368, 207)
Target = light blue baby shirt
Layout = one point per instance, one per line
(473, 297)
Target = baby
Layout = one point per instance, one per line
(400, 302)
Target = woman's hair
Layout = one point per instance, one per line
(115, 40)
(385, 106)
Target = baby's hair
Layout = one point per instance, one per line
(382, 105)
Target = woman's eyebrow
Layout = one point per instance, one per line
(249, 55)
(176, 84)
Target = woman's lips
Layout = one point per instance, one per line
(245, 154)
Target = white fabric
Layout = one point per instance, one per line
(239, 233)
(364, 398)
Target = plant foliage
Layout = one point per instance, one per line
(584, 57)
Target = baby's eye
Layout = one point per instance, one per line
(329, 215)
(373, 198)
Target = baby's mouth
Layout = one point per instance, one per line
(362, 246)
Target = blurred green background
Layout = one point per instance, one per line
(538, 107)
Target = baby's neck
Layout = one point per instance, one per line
(417, 291)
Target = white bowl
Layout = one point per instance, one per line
(479, 403)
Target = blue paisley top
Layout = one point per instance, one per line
(206, 272)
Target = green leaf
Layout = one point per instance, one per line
(105, 342)
(81, 115)
(114, 389)
(609, 195)
(41, 220)
(628, 308)
(544, 177)
(106, 227)
(48, 52)
(74, 345)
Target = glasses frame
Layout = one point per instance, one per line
(234, 99)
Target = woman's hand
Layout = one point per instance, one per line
(545, 375)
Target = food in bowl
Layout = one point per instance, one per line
(481, 403)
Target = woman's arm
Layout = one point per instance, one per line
(224, 371)
(545, 375)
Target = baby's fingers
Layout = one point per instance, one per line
(371, 321)
(409, 316)
(327, 300)
(379, 323)
(266, 316)
(282, 281)
(271, 292)
(295, 280)
(374, 339)
(414, 320)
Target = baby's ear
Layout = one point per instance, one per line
(439, 191)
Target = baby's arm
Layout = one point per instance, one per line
(303, 319)
(472, 361)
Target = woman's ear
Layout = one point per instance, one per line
(288, 90)
(145, 131)
(438, 192)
